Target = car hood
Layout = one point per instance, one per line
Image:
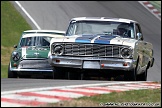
(98, 39)
(34, 52)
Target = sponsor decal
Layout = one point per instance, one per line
(35, 48)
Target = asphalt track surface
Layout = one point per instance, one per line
(57, 14)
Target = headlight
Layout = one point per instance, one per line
(126, 52)
(15, 56)
(58, 49)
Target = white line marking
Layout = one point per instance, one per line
(124, 88)
(86, 90)
(28, 15)
(150, 84)
(113, 88)
(155, 10)
(8, 104)
(149, 5)
(57, 93)
(30, 98)
(144, 86)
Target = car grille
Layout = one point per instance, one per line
(92, 50)
(34, 64)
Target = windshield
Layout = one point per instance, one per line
(35, 41)
(101, 27)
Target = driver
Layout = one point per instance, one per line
(29, 41)
(122, 29)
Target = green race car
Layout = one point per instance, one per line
(30, 57)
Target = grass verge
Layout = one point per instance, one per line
(12, 25)
(150, 97)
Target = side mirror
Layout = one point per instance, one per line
(15, 46)
(139, 36)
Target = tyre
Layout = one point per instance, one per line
(58, 73)
(74, 75)
(143, 76)
(11, 74)
(132, 75)
(24, 76)
(152, 62)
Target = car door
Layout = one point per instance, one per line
(144, 48)
(43, 48)
(28, 51)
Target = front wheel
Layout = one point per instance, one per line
(24, 76)
(11, 74)
(143, 76)
(58, 73)
(131, 75)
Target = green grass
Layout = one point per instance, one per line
(129, 96)
(138, 96)
(12, 26)
(4, 70)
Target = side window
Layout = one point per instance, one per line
(45, 42)
(131, 32)
(138, 30)
(71, 29)
(22, 42)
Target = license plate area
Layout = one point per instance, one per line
(91, 64)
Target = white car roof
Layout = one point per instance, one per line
(41, 34)
(103, 19)
(36, 31)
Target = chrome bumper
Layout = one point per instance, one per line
(92, 62)
(28, 65)
(32, 70)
